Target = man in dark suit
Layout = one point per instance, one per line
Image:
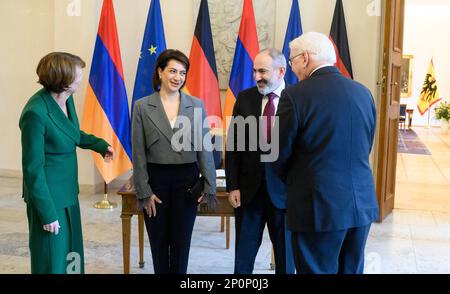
(256, 193)
(327, 125)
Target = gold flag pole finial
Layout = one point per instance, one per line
(105, 203)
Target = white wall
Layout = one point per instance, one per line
(26, 33)
(427, 26)
(363, 32)
(46, 27)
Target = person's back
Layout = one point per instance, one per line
(336, 119)
(326, 125)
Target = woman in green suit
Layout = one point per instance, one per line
(50, 134)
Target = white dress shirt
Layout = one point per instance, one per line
(277, 92)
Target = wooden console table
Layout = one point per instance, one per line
(129, 208)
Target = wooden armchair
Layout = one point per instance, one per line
(402, 117)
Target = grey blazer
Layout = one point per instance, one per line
(152, 136)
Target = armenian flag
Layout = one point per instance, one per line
(106, 113)
(247, 48)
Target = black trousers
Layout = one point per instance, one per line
(170, 230)
(250, 220)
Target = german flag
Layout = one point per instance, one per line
(338, 35)
(202, 81)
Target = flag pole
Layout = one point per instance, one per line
(428, 125)
(105, 203)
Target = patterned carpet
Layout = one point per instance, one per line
(409, 142)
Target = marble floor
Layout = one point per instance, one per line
(415, 238)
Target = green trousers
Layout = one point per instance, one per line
(56, 254)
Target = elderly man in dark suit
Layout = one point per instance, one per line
(327, 125)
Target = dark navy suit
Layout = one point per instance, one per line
(327, 125)
(277, 193)
(263, 197)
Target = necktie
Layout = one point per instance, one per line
(268, 114)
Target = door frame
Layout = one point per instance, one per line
(385, 157)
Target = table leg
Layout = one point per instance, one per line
(141, 240)
(222, 223)
(272, 261)
(227, 218)
(126, 228)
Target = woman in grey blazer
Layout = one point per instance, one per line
(168, 155)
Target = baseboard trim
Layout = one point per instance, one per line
(10, 173)
(90, 189)
(98, 188)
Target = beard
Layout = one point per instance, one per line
(264, 87)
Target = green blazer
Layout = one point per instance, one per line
(49, 159)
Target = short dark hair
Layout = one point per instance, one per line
(162, 61)
(57, 71)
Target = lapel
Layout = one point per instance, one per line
(72, 112)
(256, 107)
(255, 104)
(158, 116)
(186, 106)
(67, 126)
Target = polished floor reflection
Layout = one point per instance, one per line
(415, 238)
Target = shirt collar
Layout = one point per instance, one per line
(278, 90)
(319, 67)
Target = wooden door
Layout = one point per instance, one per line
(390, 103)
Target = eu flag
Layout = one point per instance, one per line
(153, 43)
(294, 30)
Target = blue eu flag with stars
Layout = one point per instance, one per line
(294, 30)
(153, 43)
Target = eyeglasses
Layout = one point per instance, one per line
(291, 59)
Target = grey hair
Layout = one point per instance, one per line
(277, 56)
(318, 45)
